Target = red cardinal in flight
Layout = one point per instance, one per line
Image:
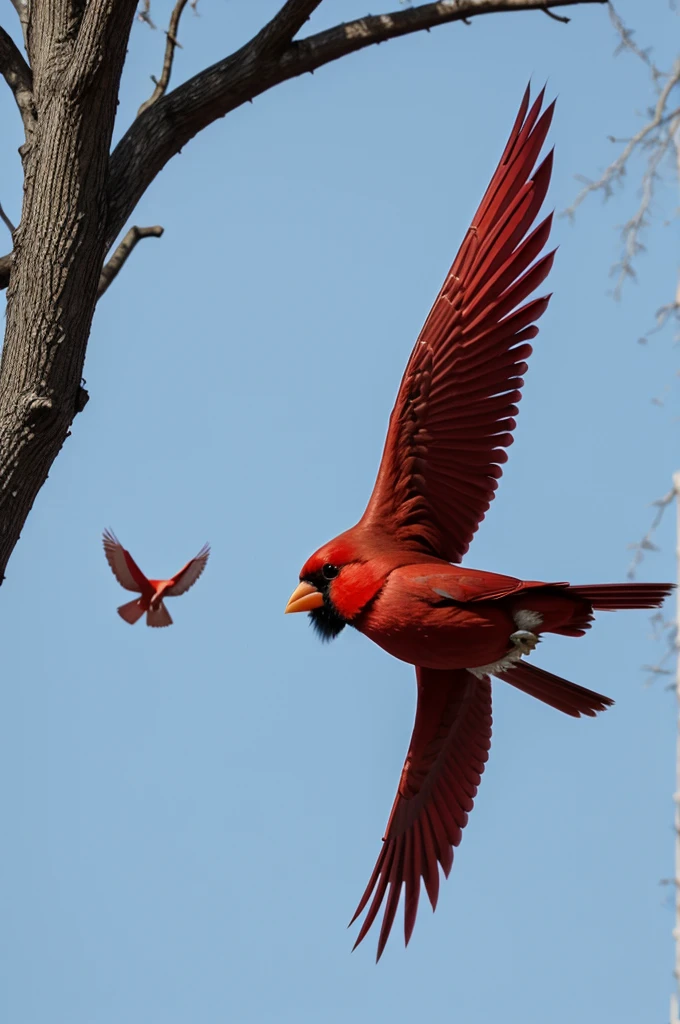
(391, 576)
(153, 592)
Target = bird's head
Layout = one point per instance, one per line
(336, 584)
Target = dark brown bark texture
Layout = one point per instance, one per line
(59, 246)
(78, 196)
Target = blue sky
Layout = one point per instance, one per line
(191, 815)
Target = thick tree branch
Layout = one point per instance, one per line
(275, 36)
(99, 32)
(163, 129)
(123, 250)
(171, 44)
(284, 26)
(19, 78)
(77, 53)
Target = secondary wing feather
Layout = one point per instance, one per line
(456, 407)
(443, 768)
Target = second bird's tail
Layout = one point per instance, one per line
(159, 616)
(132, 611)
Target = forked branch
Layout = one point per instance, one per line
(284, 26)
(658, 138)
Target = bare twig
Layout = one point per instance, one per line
(661, 627)
(659, 667)
(145, 13)
(657, 138)
(617, 168)
(557, 17)
(171, 44)
(6, 221)
(17, 74)
(632, 230)
(627, 42)
(661, 504)
(676, 796)
(115, 264)
(163, 129)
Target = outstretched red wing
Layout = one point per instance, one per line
(456, 407)
(443, 768)
(187, 576)
(123, 565)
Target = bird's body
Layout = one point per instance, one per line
(440, 616)
(391, 576)
(152, 592)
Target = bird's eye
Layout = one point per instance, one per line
(329, 572)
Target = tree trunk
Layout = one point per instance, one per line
(59, 247)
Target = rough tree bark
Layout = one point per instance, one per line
(78, 196)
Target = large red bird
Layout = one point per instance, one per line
(391, 576)
(152, 592)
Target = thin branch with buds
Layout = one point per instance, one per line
(647, 137)
(658, 138)
(627, 42)
(661, 504)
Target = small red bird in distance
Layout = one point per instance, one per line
(153, 592)
(391, 576)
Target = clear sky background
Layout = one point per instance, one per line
(190, 816)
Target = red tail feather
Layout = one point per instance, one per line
(558, 693)
(132, 611)
(614, 596)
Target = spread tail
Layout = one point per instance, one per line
(132, 611)
(158, 616)
(558, 693)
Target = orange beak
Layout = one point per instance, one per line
(304, 598)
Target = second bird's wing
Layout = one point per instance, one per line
(443, 768)
(455, 410)
(123, 565)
